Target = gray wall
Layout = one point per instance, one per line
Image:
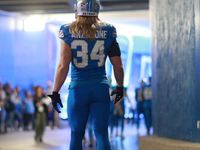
(176, 106)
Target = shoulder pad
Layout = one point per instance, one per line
(61, 34)
(110, 28)
(67, 25)
(63, 30)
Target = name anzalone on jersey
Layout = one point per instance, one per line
(99, 33)
(89, 57)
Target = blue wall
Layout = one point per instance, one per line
(24, 55)
(6, 48)
(175, 98)
(30, 57)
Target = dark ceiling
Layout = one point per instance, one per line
(65, 6)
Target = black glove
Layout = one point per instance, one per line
(55, 97)
(119, 91)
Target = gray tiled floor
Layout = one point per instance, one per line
(58, 139)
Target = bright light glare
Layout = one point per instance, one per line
(130, 115)
(145, 60)
(12, 24)
(141, 116)
(126, 116)
(20, 25)
(64, 115)
(34, 23)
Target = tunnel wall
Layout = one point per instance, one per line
(175, 67)
(6, 49)
(23, 55)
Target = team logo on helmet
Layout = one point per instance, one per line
(87, 7)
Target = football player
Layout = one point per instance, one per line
(86, 43)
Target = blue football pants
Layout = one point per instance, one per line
(85, 100)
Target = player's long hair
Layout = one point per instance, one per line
(85, 26)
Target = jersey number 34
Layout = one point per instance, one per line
(97, 53)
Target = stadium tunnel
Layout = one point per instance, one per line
(156, 38)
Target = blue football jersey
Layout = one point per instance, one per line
(88, 57)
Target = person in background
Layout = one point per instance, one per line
(10, 107)
(117, 113)
(8, 88)
(40, 114)
(49, 87)
(51, 115)
(90, 132)
(29, 110)
(147, 94)
(2, 110)
(140, 100)
(33, 90)
(112, 116)
(120, 114)
(17, 100)
(128, 108)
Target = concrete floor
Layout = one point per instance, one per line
(58, 139)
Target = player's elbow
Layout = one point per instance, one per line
(118, 68)
(63, 68)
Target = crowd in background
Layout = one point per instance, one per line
(21, 110)
(143, 96)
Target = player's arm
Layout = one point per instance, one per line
(61, 74)
(115, 59)
(63, 67)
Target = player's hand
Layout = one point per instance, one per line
(119, 91)
(55, 97)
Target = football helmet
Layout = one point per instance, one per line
(87, 7)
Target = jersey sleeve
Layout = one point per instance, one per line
(112, 33)
(64, 34)
(114, 47)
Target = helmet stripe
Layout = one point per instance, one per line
(86, 8)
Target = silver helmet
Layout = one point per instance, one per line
(87, 7)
